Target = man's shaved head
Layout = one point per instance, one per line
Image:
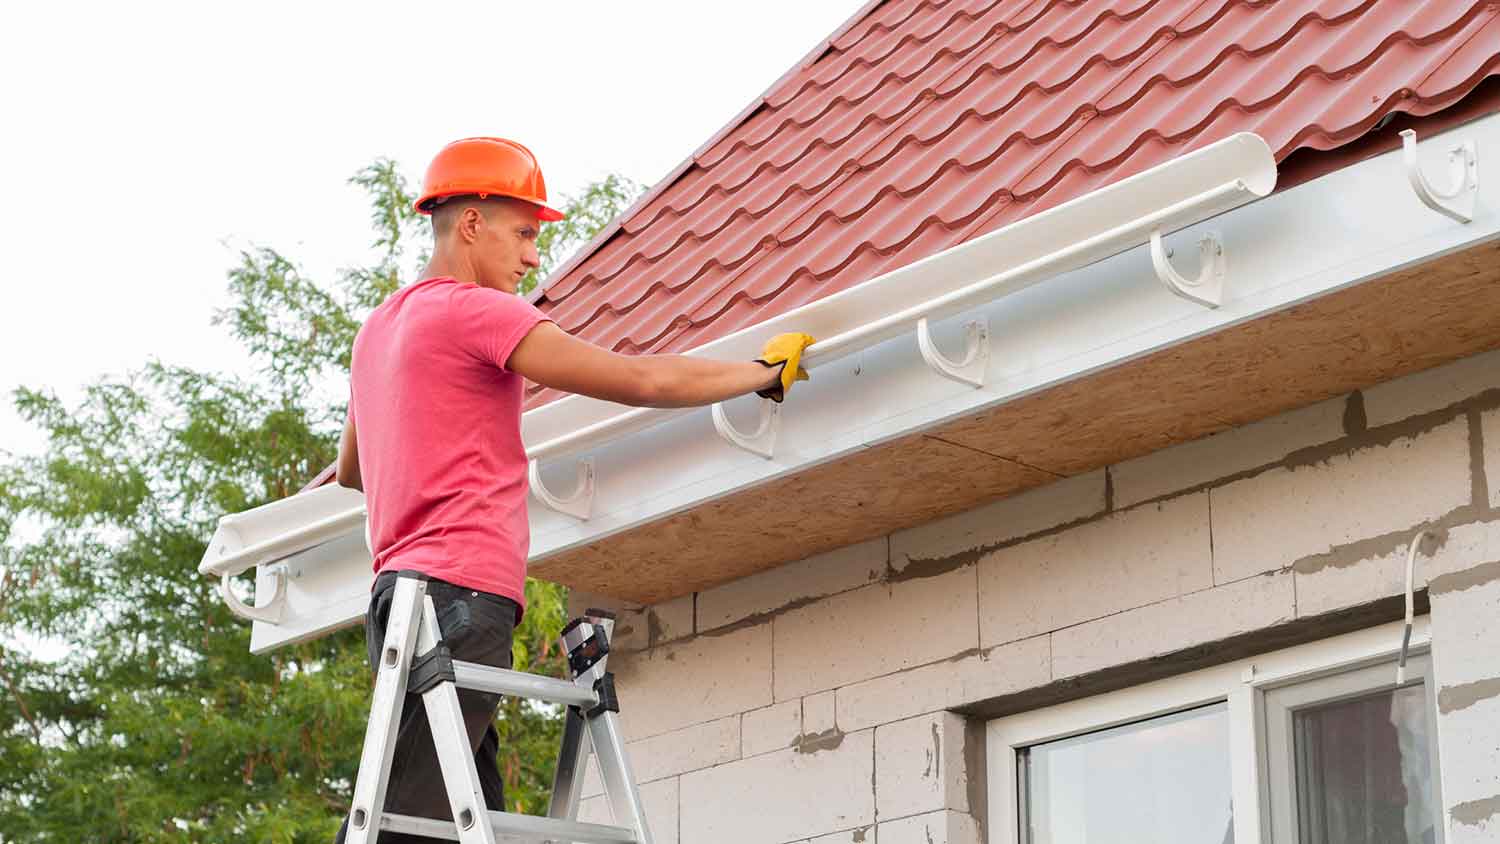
(446, 214)
(490, 241)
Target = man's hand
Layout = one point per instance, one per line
(784, 350)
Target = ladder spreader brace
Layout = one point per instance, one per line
(592, 725)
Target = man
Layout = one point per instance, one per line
(433, 432)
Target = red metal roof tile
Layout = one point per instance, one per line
(922, 124)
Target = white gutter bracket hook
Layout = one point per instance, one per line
(762, 441)
(269, 612)
(580, 504)
(1208, 288)
(969, 370)
(1463, 177)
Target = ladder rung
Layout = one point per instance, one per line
(471, 675)
(515, 827)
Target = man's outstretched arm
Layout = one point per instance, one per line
(347, 468)
(551, 357)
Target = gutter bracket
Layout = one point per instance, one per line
(762, 441)
(579, 504)
(969, 370)
(1463, 175)
(270, 612)
(1208, 288)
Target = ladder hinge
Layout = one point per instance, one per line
(431, 668)
(604, 687)
(590, 651)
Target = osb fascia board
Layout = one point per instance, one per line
(906, 481)
(1408, 321)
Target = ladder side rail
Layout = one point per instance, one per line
(572, 763)
(451, 741)
(603, 726)
(385, 712)
(619, 781)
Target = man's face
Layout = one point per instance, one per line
(505, 248)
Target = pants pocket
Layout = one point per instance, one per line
(456, 622)
(483, 630)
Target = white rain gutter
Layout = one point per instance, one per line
(245, 540)
(312, 561)
(871, 384)
(1105, 222)
(857, 337)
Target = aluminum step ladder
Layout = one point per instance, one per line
(414, 658)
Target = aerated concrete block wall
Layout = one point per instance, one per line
(840, 698)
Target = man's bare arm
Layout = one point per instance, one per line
(551, 357)
(347, 471)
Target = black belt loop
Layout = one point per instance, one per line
(387, 579)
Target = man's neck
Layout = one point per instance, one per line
(440, 265)
(444, 265)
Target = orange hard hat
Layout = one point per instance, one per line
(486, 167)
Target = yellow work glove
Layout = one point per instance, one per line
(784, 350)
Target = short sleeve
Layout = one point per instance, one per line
(489, 324)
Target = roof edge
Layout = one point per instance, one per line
(1114, 218)
(1101, 315)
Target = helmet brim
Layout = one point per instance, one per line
(544, 212)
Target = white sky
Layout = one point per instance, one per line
(144, 143)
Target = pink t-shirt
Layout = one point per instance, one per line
(438, 421)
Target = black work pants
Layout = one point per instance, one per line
(477, 627)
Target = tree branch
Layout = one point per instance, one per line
(25, 713)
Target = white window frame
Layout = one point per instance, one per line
(1241, 683)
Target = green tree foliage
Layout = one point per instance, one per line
(130, 707)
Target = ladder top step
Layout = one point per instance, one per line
(509, 826)
(485, 678)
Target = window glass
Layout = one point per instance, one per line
(1163, 780)
(1362, 770)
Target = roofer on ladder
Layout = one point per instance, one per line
(433, 436)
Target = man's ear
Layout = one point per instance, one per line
(470, 221)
